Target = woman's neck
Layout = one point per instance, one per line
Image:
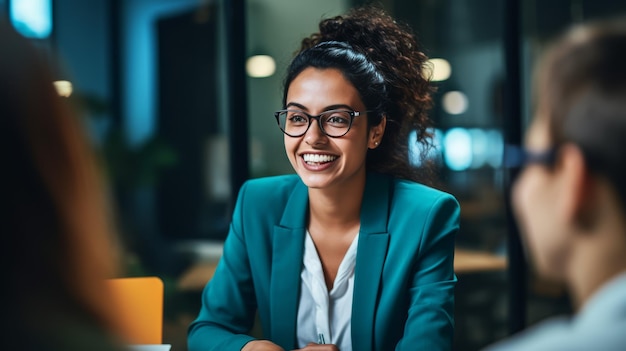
(338, 208)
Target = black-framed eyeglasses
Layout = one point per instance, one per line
(518, 157)
(333, 123)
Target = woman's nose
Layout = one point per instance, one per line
(315, 135)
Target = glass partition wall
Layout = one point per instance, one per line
(467, 40)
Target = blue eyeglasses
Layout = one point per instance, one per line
(517, 157)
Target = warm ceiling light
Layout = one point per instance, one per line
(64, 87)
(260, 66)
(439, 69)
(455, 102)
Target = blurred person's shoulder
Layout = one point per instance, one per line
(557, 334)
(599, 325)
(544, 336)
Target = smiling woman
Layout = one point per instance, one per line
(323, 91)
(352, 253)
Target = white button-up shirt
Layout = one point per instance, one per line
(323, 316)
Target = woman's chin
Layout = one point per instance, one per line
(315, 181)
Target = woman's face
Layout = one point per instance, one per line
(338, 160)
(537, 203)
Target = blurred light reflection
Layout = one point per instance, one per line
(439, 69)
(457, 144)
(260, 66)
(32, 18)
(63, 87)
(417, 153)
(455, 102)
(480, 147)
(460, 148)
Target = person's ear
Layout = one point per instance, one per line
(577, 185)
(376, 133)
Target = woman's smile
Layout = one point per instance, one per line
(316, 162)
(318, 159)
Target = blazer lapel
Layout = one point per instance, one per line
(288, 249)
(372, 250)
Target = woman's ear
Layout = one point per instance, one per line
(376, 133)
(577, 185)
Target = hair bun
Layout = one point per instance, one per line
(393, 50)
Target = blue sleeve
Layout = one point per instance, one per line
(430, 322)
(228, 300)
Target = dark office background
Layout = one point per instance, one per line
(163, 88)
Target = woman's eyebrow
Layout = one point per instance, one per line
(327, 108)
(295, 104)
(338, 107)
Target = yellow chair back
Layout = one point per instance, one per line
(139, 304)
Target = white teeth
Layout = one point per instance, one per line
(316, 158)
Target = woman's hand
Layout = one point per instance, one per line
(319, 347)
(261, 345)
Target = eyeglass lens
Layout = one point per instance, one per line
(333, 123)
(516, 156)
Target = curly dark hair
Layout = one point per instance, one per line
(382, 59)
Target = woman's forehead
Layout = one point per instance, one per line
(316, 88)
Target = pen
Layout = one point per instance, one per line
(320, 338)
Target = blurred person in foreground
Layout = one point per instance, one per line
(57, 242)
(570, 199)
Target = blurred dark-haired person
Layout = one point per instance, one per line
(351, 252)
(57, 243)
(570, 198)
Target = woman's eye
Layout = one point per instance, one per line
(297, 119)
(337, 120)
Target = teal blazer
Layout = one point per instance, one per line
(404, 278)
